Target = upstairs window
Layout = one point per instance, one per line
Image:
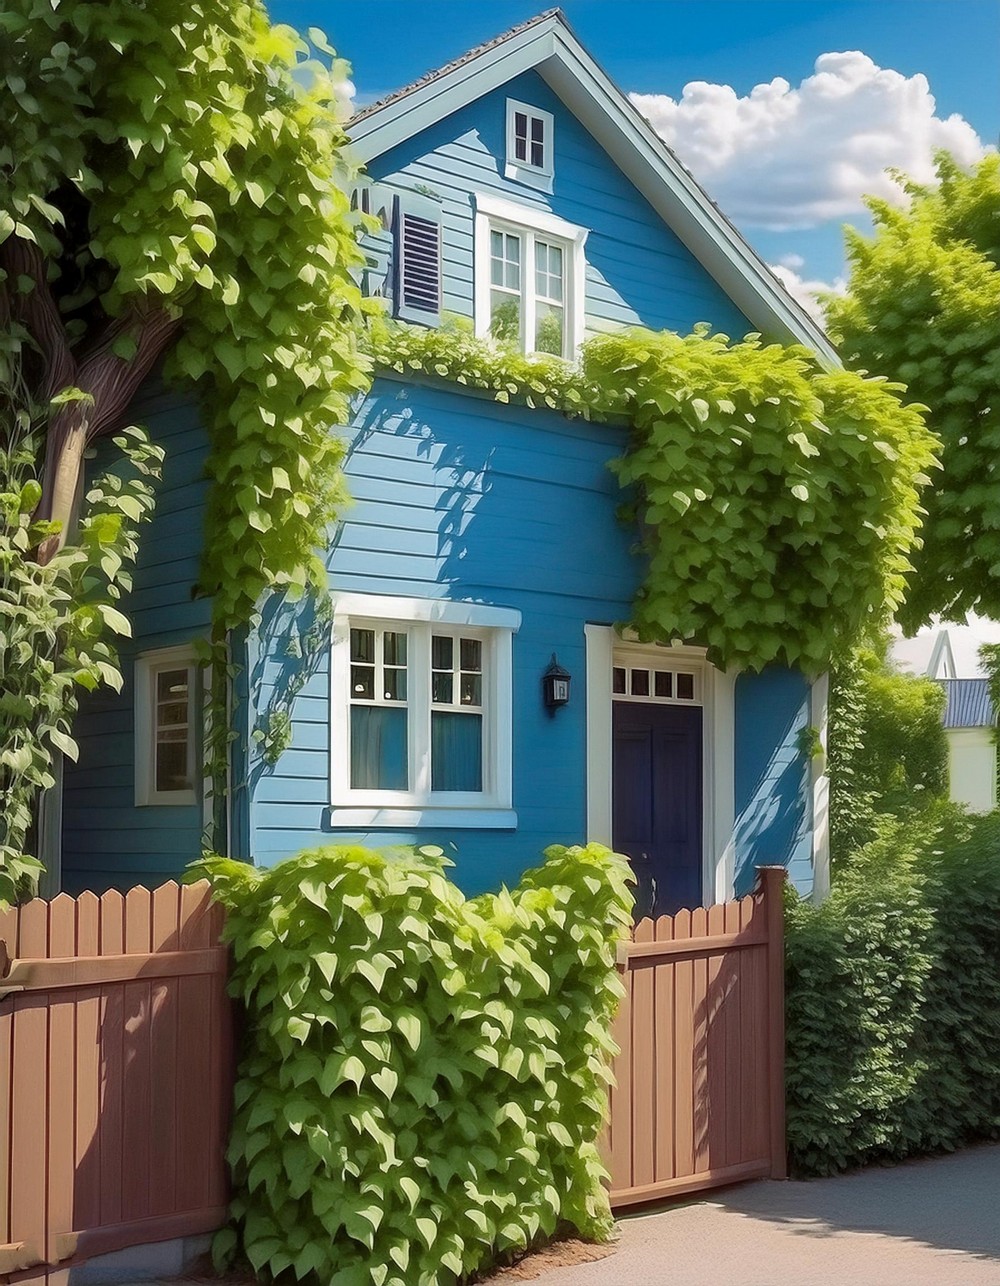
(529, 145)
(530, 273)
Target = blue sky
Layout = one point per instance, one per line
(787, 164)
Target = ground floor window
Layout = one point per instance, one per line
(166, 727)
(420, 704)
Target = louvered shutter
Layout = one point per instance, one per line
(417, 259)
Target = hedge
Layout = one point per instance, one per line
(424, 1077)
(893, 998)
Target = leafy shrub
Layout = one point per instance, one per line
(888, 753)
(893, 997)
(424, 1077)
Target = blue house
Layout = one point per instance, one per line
(482, 561)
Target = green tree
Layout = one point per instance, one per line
(172, 182)
(923, 307)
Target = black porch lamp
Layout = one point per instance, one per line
(555, 686)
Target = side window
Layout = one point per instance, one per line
(166, 727)
(530, 156)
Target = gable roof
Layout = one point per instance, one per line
(547, 44)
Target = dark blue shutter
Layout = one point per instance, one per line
(417, 259)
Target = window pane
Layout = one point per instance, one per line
(549, 329)
(472, 654)
(442, 686)
(378, 748)
(394, 685)
(663, 683)
(456, 751)
(171, 712)
(472, 690)
(172, 769)
(537, 129)
(685, 687)
(549, 271)
(442, 652)
(363, 645)
(363, 682)
(640, 683)
(394, 648)
(172, 685)
(512, 260)
(505, 318)
(618, 679)
(520, 136)
(537, 155)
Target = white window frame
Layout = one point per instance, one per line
(420, 805)
(147, 666)
(536, 176)
(496, 214)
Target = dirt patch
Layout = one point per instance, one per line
(559, 1254)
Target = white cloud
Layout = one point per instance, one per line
(792, 157)
(806, 291)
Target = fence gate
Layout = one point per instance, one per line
(700, 1096)
(115, 1076)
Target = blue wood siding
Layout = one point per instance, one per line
(463, 498)
(772, 787)
(108, 841)
(638, 271)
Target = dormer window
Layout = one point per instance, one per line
(530, 277)
(529, 145)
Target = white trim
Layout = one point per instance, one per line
(404, 818)
(508, 216)
(147, 666)
(819, 710)
(717, 690)
(447, 611)
(600, 641)
(535, 176)
(420, 805)
(550, 47)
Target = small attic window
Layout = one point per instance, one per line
(529, 145)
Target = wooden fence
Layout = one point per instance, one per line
(115, 1076)
(700, 1078)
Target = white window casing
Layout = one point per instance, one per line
(531, 226)
(530, 159)
(152, 730)
(420, 805)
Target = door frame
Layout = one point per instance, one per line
(718, 748)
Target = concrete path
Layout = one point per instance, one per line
(925, 1223)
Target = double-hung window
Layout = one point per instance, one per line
(421, 711)
(530, 278)
(166, 727)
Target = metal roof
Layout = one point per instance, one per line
(968, 703)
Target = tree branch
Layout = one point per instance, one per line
(113, 381)
(38, 313)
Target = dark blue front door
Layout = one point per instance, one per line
(657, 802)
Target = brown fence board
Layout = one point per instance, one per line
(699, 1094)
(115, 1076)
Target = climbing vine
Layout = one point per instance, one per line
(777, 502)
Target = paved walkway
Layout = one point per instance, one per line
(926, 1223)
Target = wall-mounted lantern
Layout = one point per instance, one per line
(555, 686)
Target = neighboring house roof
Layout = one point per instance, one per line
(947, 651)
(547, 44)
(967, 703)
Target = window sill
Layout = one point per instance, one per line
(397, 816)
(531, 178)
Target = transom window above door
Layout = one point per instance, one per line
(654, 682)
(530, 278)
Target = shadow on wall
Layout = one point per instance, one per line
(773, 804)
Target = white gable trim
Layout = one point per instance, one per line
(550, 47)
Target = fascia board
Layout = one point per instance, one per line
(641, 155)
(432, 102)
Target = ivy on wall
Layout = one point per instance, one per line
(777, 502)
